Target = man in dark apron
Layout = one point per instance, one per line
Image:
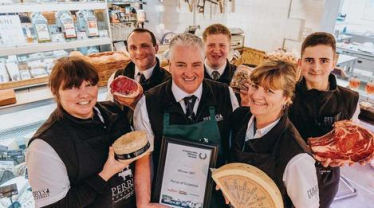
(187, 106)
(144, 66)
(319, 102)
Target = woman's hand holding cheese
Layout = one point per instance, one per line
(112, 166)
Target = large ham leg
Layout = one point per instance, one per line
(346, 143)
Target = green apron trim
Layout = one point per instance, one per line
(204, 131)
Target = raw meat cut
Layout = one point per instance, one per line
(348, 142)
(125, 87)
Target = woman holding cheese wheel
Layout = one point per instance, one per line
(263, 136)
(69, 159)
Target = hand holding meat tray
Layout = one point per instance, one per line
(126, 91)
(348, 143)
(125, 87)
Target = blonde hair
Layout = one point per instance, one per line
(276, 75)
(216, 29)
(282, 55)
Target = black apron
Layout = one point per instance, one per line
(204, 131)
(92, 155)
(263, 161)
(328, 177)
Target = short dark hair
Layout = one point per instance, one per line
(319, 38)
(141, 30)
(216, 29)
(68, 72)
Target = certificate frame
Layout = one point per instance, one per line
(162, 179)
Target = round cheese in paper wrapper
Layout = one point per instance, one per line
(131, 146)
(247, 186)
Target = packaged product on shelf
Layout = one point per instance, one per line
(4, 77)
(92, 50)
(27, 32)
(58, 38)
(81, 21)
(58, 18)
(24, 71)
(35, 56)
(67, 23)
(81, 35)
(60, 53)
(103, 33)
(27, 27)
(48, 63)
(12, 68)
(37, 69)
(41, 27)
(91, 24)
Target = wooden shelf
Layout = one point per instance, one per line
(24, 83)
(42, 47)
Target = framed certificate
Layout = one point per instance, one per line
(184, 176)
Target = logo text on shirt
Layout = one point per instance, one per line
(40, 194)
(218, 117)
(312, 192)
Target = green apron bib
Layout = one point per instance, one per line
(204, 131)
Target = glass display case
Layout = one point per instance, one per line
(32, 35)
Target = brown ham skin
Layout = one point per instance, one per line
(347, 142)
(123, 85)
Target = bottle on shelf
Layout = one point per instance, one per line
(67, 25)
(58, 20)
(91, 24)
(40, 24)
(81, 20)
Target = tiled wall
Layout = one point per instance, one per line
(265, 22)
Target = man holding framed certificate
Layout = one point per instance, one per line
(187, 106)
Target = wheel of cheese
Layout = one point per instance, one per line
(131, 146)
(246, 186)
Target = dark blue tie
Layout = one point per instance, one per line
(141, 78)
(190, 102)
(216, 75)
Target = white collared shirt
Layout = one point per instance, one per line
(259, 132)
(147, 74)
(299, 177)
(210, 70)
(180, 95)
